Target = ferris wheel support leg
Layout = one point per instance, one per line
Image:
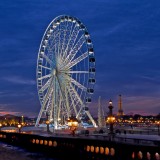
(92, 120)
(38, 119)
(79, 112)
(55, 107)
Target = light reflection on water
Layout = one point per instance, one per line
(9, 152)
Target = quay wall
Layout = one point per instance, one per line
(84, 147)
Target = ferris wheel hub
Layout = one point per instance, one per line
(54, 72)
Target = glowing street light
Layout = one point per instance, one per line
(19, 128)
(158, 123)
(0, 126)
(22, 120)
(47, 122)
(73, 124)
(111, 118)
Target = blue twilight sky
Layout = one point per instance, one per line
(126, 39)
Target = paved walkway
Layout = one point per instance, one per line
(140, 136)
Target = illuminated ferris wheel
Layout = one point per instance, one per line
(65, 71)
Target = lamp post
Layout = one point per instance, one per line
(22, 121)
(111, 118)
(158, 123)
(0, 126)
(19, 128)
(47, 122)
(73, 124)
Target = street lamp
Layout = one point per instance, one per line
(158, 123)
(47, 122)
(19, 128)
(0, 126)
(22, 121)
(73, 124)
(111, 118)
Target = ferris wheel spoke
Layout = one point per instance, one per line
(62, 112)
(74, 101)
(78, 72)
(51, 43)
(67, 102)
(43, 77)
(70, 27)
(72, 40)
(59, 43)
(77, 60)
(61, 39)
(50, 47)
(59, 105)
(55, 35)
(45, 86)
(76, 48)
(49, 91)
(48, 104)
(63, 85)
(77, 84)
(77, 99)
(46, 67)
(52, 104)
(46, 98)
(83, 88)
(62, 92)
(64, 40)
(55, 102)
(47, 59)
(76, 94)
(56, 40)
(43, 107)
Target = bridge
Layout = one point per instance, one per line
(87, 147)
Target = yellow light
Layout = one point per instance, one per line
(110, 102)
(72, 122)
(47, 122)
(111, 119)
(75, 123)
(69, 124)
(19, 126)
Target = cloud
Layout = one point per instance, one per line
(154, 79)
(7, 109)
(18, 63)
(141, 104)
(19, 80)
(16, 93)
(10, 112)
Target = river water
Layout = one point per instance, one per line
(9, 152)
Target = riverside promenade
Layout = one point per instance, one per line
(87, 147)
(10, 152)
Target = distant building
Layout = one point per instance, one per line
(120, 110)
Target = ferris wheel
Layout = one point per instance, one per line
(65, 71)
